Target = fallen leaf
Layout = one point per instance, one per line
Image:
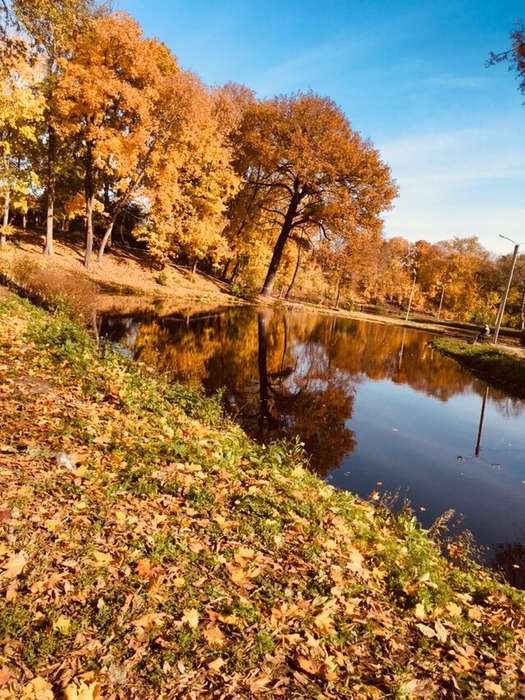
(82, 692)
(214, 636)
(217, 664)
(308, 665)
(102, 559)
(492, 687)
(417, 688)
(454, 609)
(426, 630)
(62, 624)
(356, 561)
(259, 684)
(191, 618)
(38, 689)
(14, 565)
(148, 621)
(441, 631)
(238, 575)
(144, 568)
(324, 622)
(243, 555)
(474, 614)
(5, 675)
(419, 611)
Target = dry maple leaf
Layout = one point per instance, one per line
(454, 609)
(82, 692)
(308, 665)
(324, 622)
(356, 561)
(144, 568)
(191, 618)
(419, 611)
(426, 630)
(216, 664)
(259, 684)
(14, 565)
(101, 559)
(148, 621)
(5, 675)
(62, 624)
(441, 631)
(494, 688)
(474, 614)
(214, 636)
(37, 689)
(238, 575)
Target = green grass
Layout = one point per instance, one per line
(497, 367)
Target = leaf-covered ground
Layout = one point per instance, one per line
(149, 549)
(500, 368)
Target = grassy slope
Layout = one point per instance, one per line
(498, 367)
(180, 559)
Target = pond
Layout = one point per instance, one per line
(377, 409)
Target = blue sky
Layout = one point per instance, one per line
(410, 75)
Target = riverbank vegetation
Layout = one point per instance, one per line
(500, 368)
(151, 549)
(103, 135)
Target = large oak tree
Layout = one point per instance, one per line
(313, 168)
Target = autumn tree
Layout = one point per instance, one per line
(302, 152)
(21, 109)
(52, 26)
(189, 180)
(105, 100)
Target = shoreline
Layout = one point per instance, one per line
(499, 366)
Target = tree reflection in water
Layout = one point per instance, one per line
(297, 375)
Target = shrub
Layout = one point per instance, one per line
(54, 288)
(162, 278)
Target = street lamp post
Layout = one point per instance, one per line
(501, 312)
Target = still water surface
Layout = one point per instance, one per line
(375, 406)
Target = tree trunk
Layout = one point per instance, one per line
(522, 311)
(194, 269)
(50, 191)
(225, 269)
(338, 292)
(5, 220)
(297, 263)
(90, 202)
(280, 244)
(441, 301)
(235, 271)
(105, 240)
(24, 221)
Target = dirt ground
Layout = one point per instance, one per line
(126, 278)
